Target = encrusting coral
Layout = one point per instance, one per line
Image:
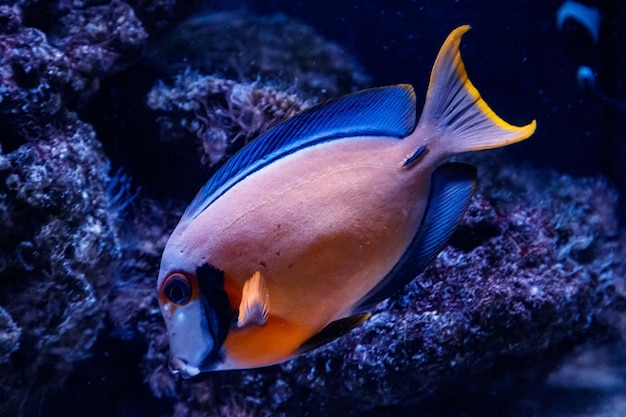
(59, 244)
(66, 250)
(221, 114)
(276, 49)
(59, 253)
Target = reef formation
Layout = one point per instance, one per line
(57, 205)
(536, 269)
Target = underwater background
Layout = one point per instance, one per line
(114, 113)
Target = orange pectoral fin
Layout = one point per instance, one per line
(255, 304)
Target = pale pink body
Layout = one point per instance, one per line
(333, 245)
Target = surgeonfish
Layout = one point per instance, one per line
(307, 227)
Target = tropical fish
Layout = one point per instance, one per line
(306, 228)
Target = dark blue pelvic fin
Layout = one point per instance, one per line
(384, 112)
(332, 331)
(452, 185)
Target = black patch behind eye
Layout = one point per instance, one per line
(216, 305)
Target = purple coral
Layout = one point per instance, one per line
(98, 40)
(83, 46)
(58, 234)
(60, 251)
(275, 50)
(220, 114)
(30, 69)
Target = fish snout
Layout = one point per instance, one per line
(180, 366)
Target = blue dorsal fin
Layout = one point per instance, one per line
(384, 111)
(452, 185)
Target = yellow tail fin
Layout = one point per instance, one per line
(456, 108)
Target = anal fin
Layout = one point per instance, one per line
(332, 331)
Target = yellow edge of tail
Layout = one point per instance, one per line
(515, 133)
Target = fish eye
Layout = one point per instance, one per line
(177, 289)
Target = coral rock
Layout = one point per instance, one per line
(274, 49)
(220, 114)
(59, 254)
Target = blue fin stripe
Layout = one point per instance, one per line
(382, 112)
